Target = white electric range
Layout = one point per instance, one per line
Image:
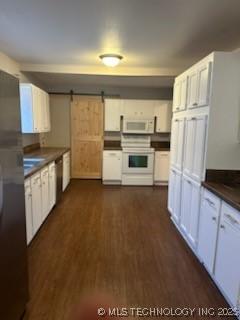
(138, 160)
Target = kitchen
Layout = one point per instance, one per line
(119, 179)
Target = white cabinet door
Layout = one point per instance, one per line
(36, 201)
(161, 166)
(204, 74)
(34, 109)
(46, 127)
(112, 165)
(66, 170)
(193, 89)
(177, 142)
(52, 185)
(190, 205)
(208, 229)
(183, 93)
(227, 269)
(176, 95)
(174, 194)
(163, 113)
(138, 108)
(194, 149)
(112, 115)
(45, 192)
(28, 210)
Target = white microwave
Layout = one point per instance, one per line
(138, 126)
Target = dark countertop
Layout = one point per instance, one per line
(229, 192)
(157, 145)
(48, 154)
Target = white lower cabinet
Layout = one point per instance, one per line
(52, 185)
(174, 194)
(190, 203)
(66, 170)
(28, 210)
(227, 270)
(36, 201)
(45, 192)
(112, 166)
(161, 167)
(208, 230)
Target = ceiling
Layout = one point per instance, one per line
(162, 35)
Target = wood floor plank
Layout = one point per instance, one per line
(118, 240)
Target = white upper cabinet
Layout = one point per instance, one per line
(180, 94)
(208, 230)
(194, 151)
(227, 269)
(190, 209)
(163, 113)
(138, 108)
(112, 115)
(199, 84)
(35, 116)
(177, 142)
(204, 75)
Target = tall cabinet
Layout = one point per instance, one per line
(204, 134)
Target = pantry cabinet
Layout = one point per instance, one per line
(35, 115)
(190, 203)
(112, 115)
(180, 94)
(194, 146)
(45, 192)
(112, 166)
(52, 185)
(66, 170)
(227, 270)
(28, 210)
(208, 229)
(163, 114)
(174, 194)
(177, 142)
(36, 201)
(161, 167)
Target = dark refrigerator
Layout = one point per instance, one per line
(13, 250)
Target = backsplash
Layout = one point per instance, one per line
(29, 138)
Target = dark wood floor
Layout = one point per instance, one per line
(118, 240)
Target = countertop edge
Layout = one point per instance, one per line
(46, 162)
(218, 193)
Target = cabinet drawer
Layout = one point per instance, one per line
(211, 199)
(36, 178)
(230, 216)
(112, 153)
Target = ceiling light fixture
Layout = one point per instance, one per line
(111, 60)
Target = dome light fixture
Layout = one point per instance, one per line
(111, 60)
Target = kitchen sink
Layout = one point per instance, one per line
(33, 160)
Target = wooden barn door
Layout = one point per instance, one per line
(87, 137)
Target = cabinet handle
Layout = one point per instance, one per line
(233, 220)
(177, 108)
(222, 226)
(214, 218)
(189, 182)
(193, 118)
(176, 120)
(194, 104)
(210, 202)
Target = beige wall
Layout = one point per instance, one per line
(60, 122)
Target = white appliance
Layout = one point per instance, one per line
(138, 160)
(142, 126)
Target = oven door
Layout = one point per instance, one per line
(138, 162)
